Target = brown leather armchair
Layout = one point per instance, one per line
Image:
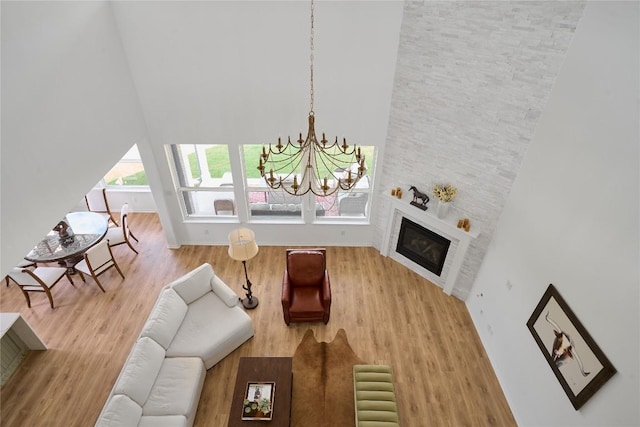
(306, 292)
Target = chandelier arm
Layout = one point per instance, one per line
(328, 193)
(279, 168)
(284, 160)
(322, 181)
(289, 166)
(329, 166)
(332, 164)
(299, 193)
(325, 184)
(284, 148)
(288, 151)
(336, 160)
(352, 149)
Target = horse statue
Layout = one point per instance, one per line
(419, 195)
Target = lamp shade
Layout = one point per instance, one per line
(242, 244)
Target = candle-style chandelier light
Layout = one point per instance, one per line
(325, 167)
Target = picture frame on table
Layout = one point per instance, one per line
(258, 401)
(577, 361)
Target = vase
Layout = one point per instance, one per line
(442, 209)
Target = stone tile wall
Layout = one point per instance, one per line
(472, 79)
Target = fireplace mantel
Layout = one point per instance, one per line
(447, 227)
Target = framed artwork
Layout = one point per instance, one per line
(574, 357)
(258, 401)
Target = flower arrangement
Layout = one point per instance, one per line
(445, 193)
(264, 406)
(252, 406)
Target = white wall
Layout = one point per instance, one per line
(69, 112)
(238, 73)
(235, 72)
(471, 82)
(572, 219)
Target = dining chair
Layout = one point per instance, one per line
(96, 201)
(224, 206)
(42, 279)
(97, 260)
(122, 234)
(21, 264)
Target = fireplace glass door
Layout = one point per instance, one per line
(422, 246)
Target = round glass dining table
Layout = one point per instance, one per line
(87, 229)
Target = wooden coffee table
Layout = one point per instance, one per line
(264, 369)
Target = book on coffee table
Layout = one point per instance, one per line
(258, 401)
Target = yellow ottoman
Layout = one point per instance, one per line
(375, 399)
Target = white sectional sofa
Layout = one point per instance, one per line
(194, 324)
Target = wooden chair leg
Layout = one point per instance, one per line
(48, 292)
(26, 296)
(118, 268)
(132, 248)
(70, 279)
(134, 237)
(8, 279)
(82, 276)
(98, 282)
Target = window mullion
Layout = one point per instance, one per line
(239, 183)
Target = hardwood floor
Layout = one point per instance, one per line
(391, 316)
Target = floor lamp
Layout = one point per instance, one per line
(243, 247)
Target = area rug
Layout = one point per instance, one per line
(323, 382)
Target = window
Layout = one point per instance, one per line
(128, 172)
(264, 202)
(204, 181)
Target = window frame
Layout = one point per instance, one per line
(182, 190)
(124, 187)
(241, 187)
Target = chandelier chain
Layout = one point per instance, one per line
(311, 60)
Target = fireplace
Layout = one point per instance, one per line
(453, 242)
(422, 246)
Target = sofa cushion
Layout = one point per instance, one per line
(164, 421)
(281, 209)
(259, 208)
(120, 411)
(211, 330)
(224, 292)
(194, 284)
(177, 388)
(375, 399)
(165, 318)
(140, 370)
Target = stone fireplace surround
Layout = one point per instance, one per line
(446, 227)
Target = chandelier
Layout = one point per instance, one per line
(326, 167)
